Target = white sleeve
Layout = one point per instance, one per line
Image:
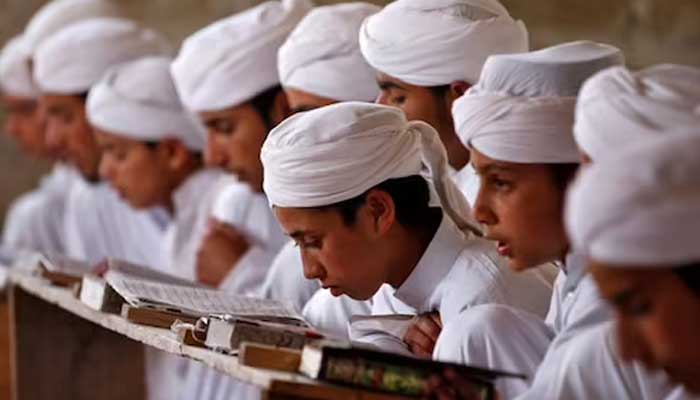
(249, 273)
(383, 303)
(285, 279)
(587, 367)
(498, 337)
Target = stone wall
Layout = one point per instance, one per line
(650, 31)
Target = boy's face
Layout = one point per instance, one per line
(424, 104)
(25, 123)
(348, 259)
(234, 139)
(139, 173)
(658, 318)
(69, 135)
(520, 207)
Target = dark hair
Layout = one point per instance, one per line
(263, 102)
(411, 197)
(563, 174)
(690, 275)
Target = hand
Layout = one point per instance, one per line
(219, 252)
(423, 333)
(450, 386)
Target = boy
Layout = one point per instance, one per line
(344, 183)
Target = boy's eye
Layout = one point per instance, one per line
(308, 243)
(224, 126)
(398, 100)
(637, 308)
(499, 184)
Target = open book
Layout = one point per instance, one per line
(198, 302)
(98, 294)
(62, 270)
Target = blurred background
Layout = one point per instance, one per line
(649, 31)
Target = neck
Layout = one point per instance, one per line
(415, 243)
(457, 153)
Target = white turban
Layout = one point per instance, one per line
(16, 70)
(641, 207)
(339, 152)
(58, 14)
(517, 129)
(75, 58)
(139, 100)
(235, 59)
(322, 55)
(437, 42)
(618, 107)
(554, 71)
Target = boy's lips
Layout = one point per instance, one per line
(335, 290)
(504, 250)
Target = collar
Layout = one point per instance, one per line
(575, 270)
(436, 262)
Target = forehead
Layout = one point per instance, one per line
(613, 279)
(113, 139)
(307, 220)
(17, 101)
(235, 112)
(62, 102)
(484, 164)
(303, 101)
(389, 82)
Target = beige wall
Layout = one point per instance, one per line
(650, 31)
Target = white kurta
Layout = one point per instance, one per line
(193, 202)
(458, 272)
(493, 336)
(467, 182)
(251, 216)
(35, 221)
(98, 224)
(500, 337)
(285, 279)
(331, 315)
(590, 368)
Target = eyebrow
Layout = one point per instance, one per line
(387, 85)
(622, 298)
(492, 168)
(296, 234)
(56, 109)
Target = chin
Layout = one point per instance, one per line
(519, 265)
(691, 382)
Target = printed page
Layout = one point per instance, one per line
(198, 301)
(129, 270)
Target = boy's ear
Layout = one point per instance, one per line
(280, 108)
(458, 88)
(175, 153)
(382, 210)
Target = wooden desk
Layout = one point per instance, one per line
(62, 349)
